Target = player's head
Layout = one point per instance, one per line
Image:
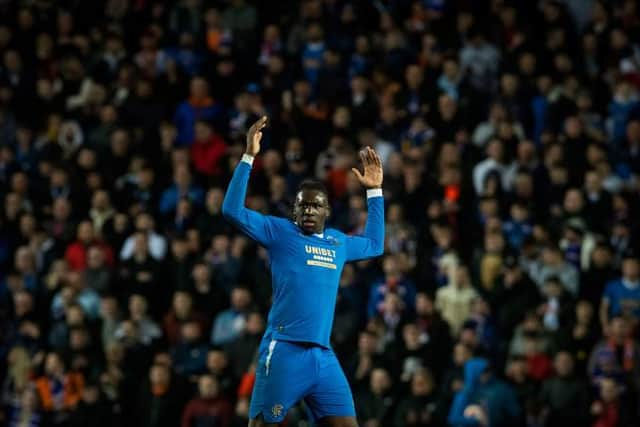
(311, 208)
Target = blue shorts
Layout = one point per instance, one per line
(288, 372)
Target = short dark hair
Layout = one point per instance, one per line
(312, 184)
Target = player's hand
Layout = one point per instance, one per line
(254, 135)
(372, 177)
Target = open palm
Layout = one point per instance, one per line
(372, 165)
(254, 135)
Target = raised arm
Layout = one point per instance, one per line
(257, 226)
(371, 244)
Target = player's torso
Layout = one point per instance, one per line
(302, 259)
(305, 274)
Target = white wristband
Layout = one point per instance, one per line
(247, 158)
(374, 192)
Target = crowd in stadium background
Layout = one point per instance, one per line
(509, 291)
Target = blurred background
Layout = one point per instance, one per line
(509, 291)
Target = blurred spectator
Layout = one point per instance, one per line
(218, 365)
(484, 399)
(157, 243)
(148, 330)
(182, 187)
(207, 150)
(553, 264)
(564, 395)
(141, 274)
(580, 335)
(454, 299)
(58, 389)
(190, 352)
(230, 323)
(557, 306)
(513, 296)
(26, 411)
(97, 275)
(76, 253)
(611, 409)
(420, 408)
(242, 350)
(161, 401)
(375, 405)
(510, 139)
(208, 407)
(616, 356)
(199, 105)
(622, 297)
(181, 311)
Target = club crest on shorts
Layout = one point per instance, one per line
(276, 410)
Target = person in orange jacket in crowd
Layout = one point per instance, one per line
(59, 391)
